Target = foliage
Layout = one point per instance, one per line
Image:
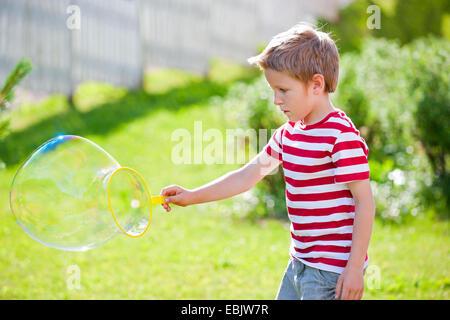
(250, 106)
(392, 92)
(163, 80)
(22, 68)
(89, 95)
(431, 86)
(225, 71)
(401, 20)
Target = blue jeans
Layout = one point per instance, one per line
(301, 282)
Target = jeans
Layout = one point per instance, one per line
(301, 282)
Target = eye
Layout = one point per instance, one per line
(282, 90)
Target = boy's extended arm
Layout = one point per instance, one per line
(226, 186)
(351, 282)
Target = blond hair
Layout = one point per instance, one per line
(302, 51)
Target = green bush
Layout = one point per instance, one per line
(22, 68)
(431, 87)
(250, 106)
(399, 98)
(401, 20)
(374, 90)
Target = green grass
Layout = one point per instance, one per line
(197, 252)
(413, 260)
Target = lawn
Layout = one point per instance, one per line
(198, 252)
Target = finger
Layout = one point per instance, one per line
(351, 294)
(164, 191)
(168, 190)
(345, 293)
(358, 296)
(165, 206)
(338, 288)
(172, 199)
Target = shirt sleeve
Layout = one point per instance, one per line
(274, 147)
(349, 157)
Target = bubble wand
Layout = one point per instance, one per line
(70, 194)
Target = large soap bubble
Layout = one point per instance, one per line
(70, 194)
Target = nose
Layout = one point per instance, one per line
(277, 100)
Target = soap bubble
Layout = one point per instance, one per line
(70, 194)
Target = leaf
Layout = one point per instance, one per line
(22, 68)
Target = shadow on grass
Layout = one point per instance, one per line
(105, 118)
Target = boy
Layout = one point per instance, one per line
(328, 195)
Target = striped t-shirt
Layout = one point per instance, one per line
(318, 162)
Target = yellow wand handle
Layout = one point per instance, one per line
(157, 200)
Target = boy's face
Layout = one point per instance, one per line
(290, 94)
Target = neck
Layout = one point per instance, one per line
(320, 111)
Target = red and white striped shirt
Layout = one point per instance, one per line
(318, 162)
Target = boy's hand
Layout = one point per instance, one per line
(176, 195)
(350, 285)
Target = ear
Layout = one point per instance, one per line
(318, 83)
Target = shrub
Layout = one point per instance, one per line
(431, 87)
(250, 106)
(22, 68)
(404, 94)
(402, 20)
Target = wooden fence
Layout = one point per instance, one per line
(70, 42)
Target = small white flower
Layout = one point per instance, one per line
(397, 176)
